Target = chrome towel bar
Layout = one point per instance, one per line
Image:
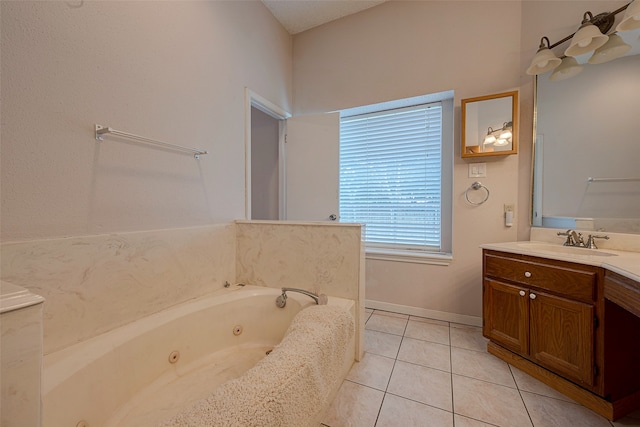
(591, 179)
(101, 130)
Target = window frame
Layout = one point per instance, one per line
(391, 252)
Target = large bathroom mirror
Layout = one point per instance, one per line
(490, 125)
(587, 146)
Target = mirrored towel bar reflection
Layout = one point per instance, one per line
(101, 130)
(592, 179)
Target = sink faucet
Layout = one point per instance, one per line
(573, 238)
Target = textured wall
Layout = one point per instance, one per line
(404, 49)
(175, 71)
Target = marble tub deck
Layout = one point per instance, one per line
(422, 372)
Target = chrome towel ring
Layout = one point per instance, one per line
(476, 186)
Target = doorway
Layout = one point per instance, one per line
(265, 125)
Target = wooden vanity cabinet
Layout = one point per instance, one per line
(544, 311)
(558, 322)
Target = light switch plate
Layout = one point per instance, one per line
(477, 170)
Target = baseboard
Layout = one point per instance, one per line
(423, 312)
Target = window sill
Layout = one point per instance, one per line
(433, 258)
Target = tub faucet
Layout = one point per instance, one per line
(281, 301)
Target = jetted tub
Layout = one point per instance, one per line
(149, 370)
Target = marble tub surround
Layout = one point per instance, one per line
(20, 356)
(93, 284)
(321, 257)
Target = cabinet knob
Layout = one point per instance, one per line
(522, 293)
(532, 296)
(527, 274)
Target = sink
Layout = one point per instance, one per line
(572, 250)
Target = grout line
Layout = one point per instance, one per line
(520, 394)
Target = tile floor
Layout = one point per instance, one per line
(422, 372)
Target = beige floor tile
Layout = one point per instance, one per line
(354, 406)
(425, 353)
(381, 343)
(372, 371)
(490, 403)
(397, 411)
(387, 324)
(469, 337)
(549, 412)
(461, 421)
(631, 420)
(526, 382)
(427, 331)
(481, 366)
(422, 384)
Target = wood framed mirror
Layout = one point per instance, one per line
(490, 125)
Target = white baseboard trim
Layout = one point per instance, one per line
(423, 312)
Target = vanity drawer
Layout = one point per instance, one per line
(567, 279)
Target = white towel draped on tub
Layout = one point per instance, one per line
(287, 388)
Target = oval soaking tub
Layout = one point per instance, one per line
(146, 372)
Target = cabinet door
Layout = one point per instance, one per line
(562, 336)
(505, 315)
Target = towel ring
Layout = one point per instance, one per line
(476, 186)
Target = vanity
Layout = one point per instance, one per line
(568, 316)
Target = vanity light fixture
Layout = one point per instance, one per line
(504, 135)
(566, 70)
(614, 48)
(588, 37)
(544, 60)
(631, 19)
(490, 138)
(591, 36)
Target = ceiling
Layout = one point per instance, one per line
(300, 15)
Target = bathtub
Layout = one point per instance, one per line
(147, 371)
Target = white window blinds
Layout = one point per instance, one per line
(390, 176)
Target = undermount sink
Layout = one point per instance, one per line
(573, 250)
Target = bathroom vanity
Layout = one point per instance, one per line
(568, 318)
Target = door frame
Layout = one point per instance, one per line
(252, 99)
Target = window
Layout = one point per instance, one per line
(395, 172)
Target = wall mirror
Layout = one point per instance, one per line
(587, 147)
(490, 125)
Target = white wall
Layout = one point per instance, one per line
(404, 49)
(173, 71)
(176, 71)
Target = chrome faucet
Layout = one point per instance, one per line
(591, 244)
(575, 239)
(281, 301)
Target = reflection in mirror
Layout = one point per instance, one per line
(587, 147)
(489, 125)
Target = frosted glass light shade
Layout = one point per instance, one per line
(631, 19)
(506, 134)
(586, 39)
(489, 139)
(566, 70)
(614, 48)
(543, 61)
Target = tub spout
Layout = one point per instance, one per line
(281, 301)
